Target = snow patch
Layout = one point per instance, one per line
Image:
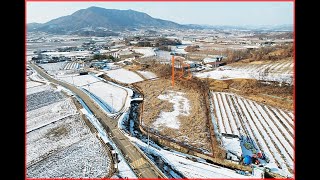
(180, 107)
(124, 76)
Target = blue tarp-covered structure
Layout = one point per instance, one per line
(247, 160)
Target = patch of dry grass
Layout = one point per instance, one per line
(193, 128)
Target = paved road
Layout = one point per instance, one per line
(137, 161)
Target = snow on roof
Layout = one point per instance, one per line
(207, 60)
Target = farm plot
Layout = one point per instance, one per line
(146, 51)
(111, 96)
(48, 114)
(281, 71)
(54, 68)
(147, 74)
(269, 128)
(283, 66)
(43, 98)
(65, 148)
(124, 76)
(80, 80)
(59, 143)
(71, 65)
(36, 89)
(31, 84)
(85, 158)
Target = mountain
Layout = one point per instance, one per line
(94, 18)
(32, 26)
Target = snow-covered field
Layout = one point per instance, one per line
(282, 66)
(49, 114)
(53, 66)
(35, 89)
(112, 96)
(280, 71)
(61, 68)
(181, 107)
(124, 76)
(69, 54)
(65, 148)
(146, 51)
(147, 74)
(54, 69)
(271, 129)
(59, 143)
(71, 65)
(80, 80)
(31, 84)
(85, 158)
(43, 98)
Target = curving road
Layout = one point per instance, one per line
(142, 167)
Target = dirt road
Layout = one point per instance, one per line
(142, 167)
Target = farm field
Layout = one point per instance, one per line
(146, 51)
(124, 76)
(32, 84)
(58, 142)
(52, 67)
(71, 65)
(79, 80)
(147, 74)
(281, 71)
(271, 130)
(111, 97)
(61, 69)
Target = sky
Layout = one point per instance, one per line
(209, 13)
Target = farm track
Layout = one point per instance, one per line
(271, 129)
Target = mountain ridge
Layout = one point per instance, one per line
(97, 17)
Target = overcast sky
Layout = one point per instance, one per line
(211, 13)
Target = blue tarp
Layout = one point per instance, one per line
(247, 160)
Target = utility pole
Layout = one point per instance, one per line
(72, 79)
(148, 140)
(172, 71)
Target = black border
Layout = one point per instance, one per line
(13, 83)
